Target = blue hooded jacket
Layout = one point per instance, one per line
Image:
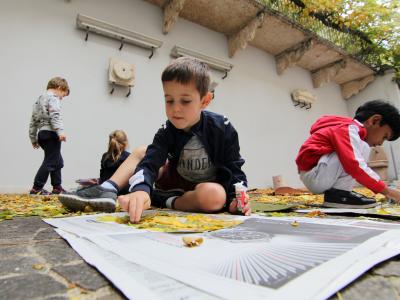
(220, 140)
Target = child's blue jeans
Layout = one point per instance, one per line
(52, 162)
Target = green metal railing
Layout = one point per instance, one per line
(351, 43)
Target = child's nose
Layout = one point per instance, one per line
(177, 107)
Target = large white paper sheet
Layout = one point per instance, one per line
(345, 222)
(378, 211)
(134, 281)
(263, 257)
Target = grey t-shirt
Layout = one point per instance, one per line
(194, 163)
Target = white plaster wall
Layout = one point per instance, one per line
(383, 88)
(40, 40)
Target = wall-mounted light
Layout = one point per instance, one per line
(121, 73)
(214, 63)
(303, 98)
(90, 24)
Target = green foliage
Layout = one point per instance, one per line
(368, 29)
(379, 20)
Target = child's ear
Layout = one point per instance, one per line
(206, 99)
(376, 119)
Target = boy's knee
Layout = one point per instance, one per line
(315, 187)
(211, 196)
(315, 184)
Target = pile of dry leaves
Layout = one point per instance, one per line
(307, 199)
(23, 205)
(13, 205)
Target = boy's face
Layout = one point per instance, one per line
(183, 104)
(61, 93)
(377, 134)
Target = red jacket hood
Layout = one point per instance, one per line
(330, 121)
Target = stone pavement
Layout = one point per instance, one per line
(35, 263)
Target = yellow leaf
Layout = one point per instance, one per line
(173, 222)
(38, 266)
(192, 241)
(295, 224)
(382, 211)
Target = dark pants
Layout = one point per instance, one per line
(169, 178)
(52, 162)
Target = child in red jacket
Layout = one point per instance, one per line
(335, 156)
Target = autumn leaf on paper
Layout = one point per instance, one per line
(175, 222)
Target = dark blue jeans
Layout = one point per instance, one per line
(52, 162)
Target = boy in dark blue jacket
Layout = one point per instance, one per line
(194, 160)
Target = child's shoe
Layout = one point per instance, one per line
(345, 199)
(39, 192)
(57, 190)
(159, 197)
(96, 197)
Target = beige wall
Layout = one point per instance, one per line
(40, 40)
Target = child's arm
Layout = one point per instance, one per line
(135, 203)
(33, 127)
(234, 161)
(55, 117)
(347, 144)
(392, 194)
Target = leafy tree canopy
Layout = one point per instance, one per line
(375, 21)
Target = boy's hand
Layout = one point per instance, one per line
(35, 145)
(135, 203)
(246, 210)
(392, 194)
(62, 138)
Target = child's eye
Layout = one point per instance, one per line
(169, 101)
(185, 101)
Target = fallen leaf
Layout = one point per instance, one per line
(315, 213)
(38, 267)
(175, 222)
(267, 196)
(192, 241)
(382, 211)
(295, 224)
(339, 296)
(24, 205)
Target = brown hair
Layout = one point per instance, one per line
(58, 83)
(118, 142)
(187, 69)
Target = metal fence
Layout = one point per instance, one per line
(351, 43)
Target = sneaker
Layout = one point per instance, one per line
(160, 197)
(96, 197)
(345, 199)
(39, 192)
(58, 190)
